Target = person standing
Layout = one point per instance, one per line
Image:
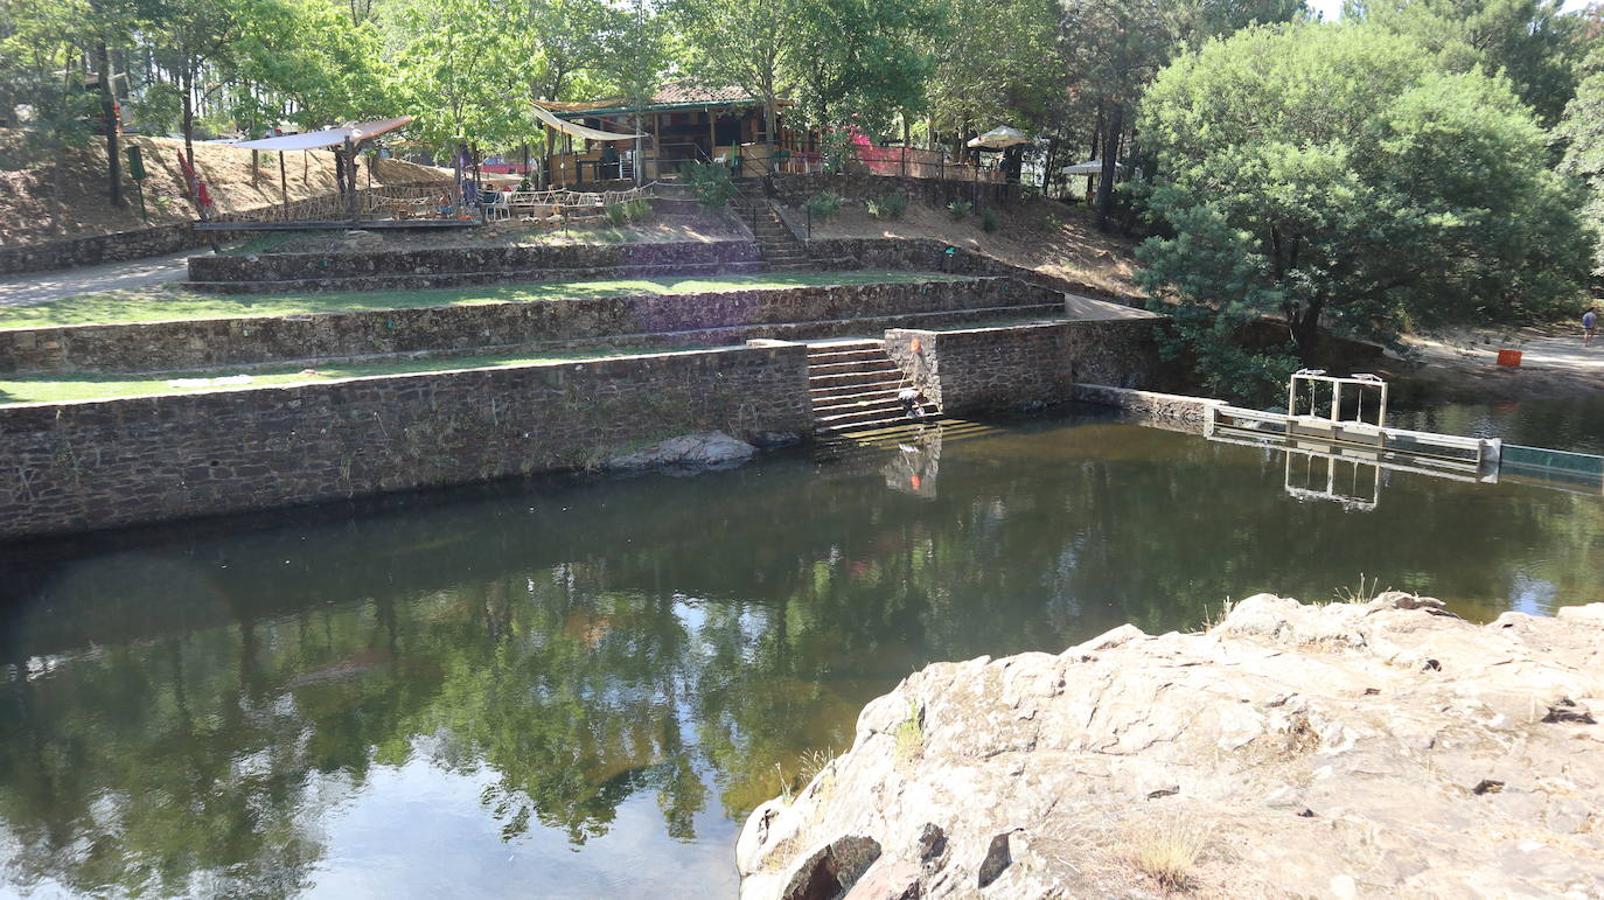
(1589, 326)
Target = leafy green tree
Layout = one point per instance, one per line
(457, 74)
(1332, 175)
(1113, 48)
(306, 63)
(1531, 41)
(996, 64)
(1582, 129)
(750, 44)
(864, 60)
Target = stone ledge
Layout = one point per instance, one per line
(1025, 366)
(99, 464)
(448, 261)
(198, 344)
(1176, 412)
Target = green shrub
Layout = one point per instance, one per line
(960, 208)
(989, 221)
(711, 183)
(620, 214)
(823, 205)
(891, 206)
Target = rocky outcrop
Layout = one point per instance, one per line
(1379, 749)
(703, 450)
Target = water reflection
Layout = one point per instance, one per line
(580, 689)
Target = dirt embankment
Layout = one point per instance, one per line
(1044, 235)
(65, 194)
(1384, 749)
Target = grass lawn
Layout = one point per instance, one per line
(172, 303)
(111, 385)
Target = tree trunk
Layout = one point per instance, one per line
(108, 110)
(1097, 136)
(1305, 329)
(187, 77)
(1105, 179)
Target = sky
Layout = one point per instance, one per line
(1332, 9)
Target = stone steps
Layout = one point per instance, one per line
(779, 249)
(828, 393)
(854, 385)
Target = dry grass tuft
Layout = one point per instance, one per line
(1167, 850)
(1364, 593)
(911, 736)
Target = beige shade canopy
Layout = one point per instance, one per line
(999, 138)
(580, 131)
(329, 137)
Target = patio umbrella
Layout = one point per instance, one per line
(999, 138)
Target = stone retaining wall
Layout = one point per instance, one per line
(101, 248)
(181, 345)
(795, 190)
(1174, 412)
(331, 271)
(79, 466)
(1025, 366)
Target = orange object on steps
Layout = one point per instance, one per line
(1510, 358)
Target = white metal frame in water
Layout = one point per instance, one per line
(1364, 382)
(1332, 434)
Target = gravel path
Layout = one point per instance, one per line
(42, 287)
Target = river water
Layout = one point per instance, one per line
(579, 688)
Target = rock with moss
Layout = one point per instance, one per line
(1384, 748)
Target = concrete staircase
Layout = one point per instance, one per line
(781, 252)
(853, 385)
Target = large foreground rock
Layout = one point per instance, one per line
(1384, 749)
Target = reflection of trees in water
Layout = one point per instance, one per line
(666, 636)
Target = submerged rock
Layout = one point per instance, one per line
(706, 450)
(1378, 749)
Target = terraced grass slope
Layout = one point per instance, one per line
(175, 303)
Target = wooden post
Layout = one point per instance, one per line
(712, 135)
(551, 144)
(905, 136)
(283, 184)
(350, 181)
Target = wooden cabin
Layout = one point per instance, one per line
(683, 123)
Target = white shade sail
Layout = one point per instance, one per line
(330, 137)
(580, 131)
(1090, 167)
(998, 138)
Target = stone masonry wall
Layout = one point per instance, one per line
(102, 248)
(794, 190)
(180, 345)
(1174, 412)
(1022, 366)
(327, 269)
(78, 466)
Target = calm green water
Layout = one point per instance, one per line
(580, 689)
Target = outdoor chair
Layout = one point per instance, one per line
(497, 205)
